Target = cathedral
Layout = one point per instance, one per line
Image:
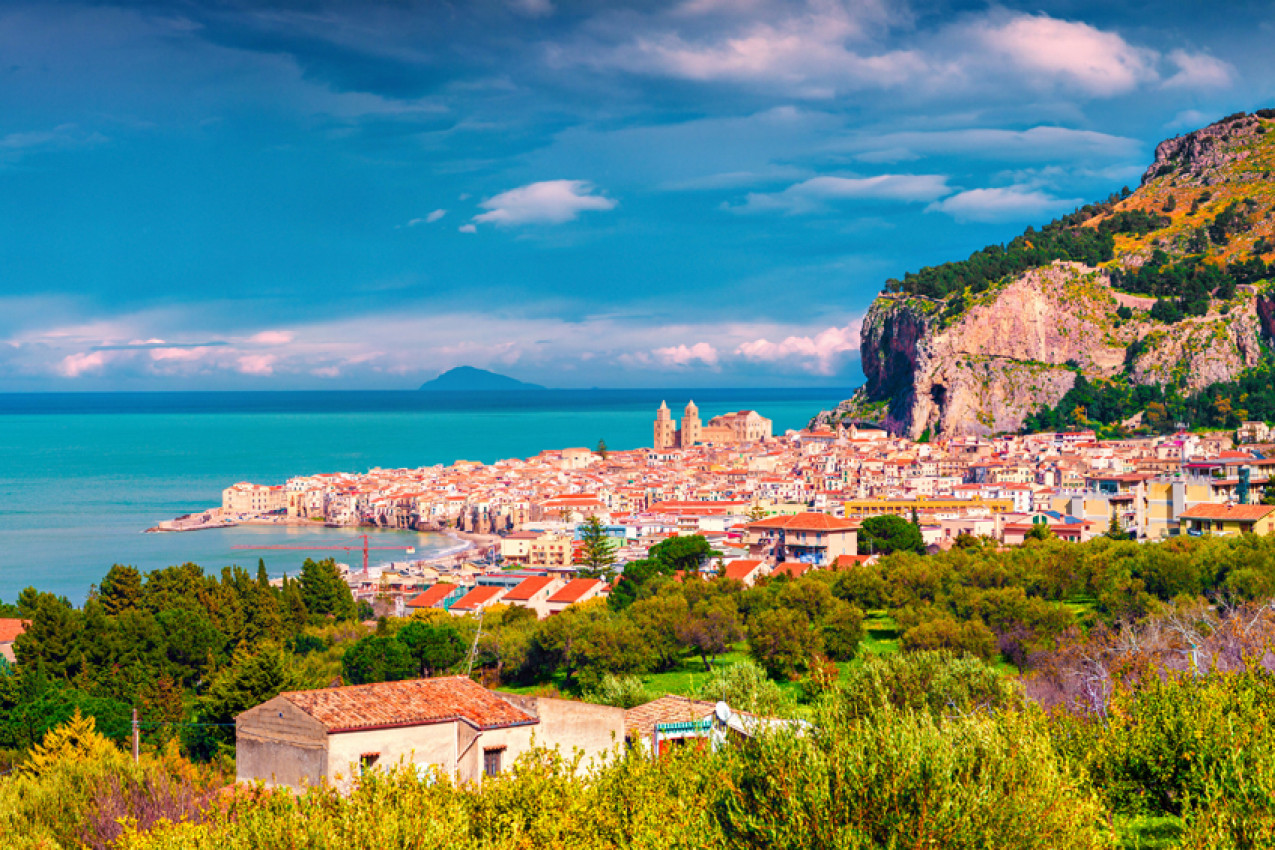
(729, 429)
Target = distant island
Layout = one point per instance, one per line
(468, 378)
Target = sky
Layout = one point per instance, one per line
(305, 195)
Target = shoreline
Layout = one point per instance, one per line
(466, 541)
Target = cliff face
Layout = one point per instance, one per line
(980, 362)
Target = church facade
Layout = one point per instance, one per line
(729, 429)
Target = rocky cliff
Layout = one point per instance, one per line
(980, 358)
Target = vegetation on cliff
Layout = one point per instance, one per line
(1178, 277)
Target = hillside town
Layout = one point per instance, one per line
(766, 503)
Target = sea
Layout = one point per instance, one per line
(82, 475)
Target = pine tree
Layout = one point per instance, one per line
(324, 591)
(597, 555)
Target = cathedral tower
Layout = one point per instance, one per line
(690, 425)
(665, 430)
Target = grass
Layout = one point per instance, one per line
(1148, 833)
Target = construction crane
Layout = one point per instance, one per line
(365, 548)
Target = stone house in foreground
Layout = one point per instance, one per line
(451, 724)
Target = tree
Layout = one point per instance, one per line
(782, 641)
(683, 553)
(377, 659)
(842, 632)
(121, 589)
(251, 678)
(434, 647)
(602, 451)
(597, 555)
(885, 534)
(659, 618)
(1040, 531)
(756, 513)
(324, 591)
(711, 628)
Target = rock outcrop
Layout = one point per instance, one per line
(982, 360)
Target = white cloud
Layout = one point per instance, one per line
(546, 202)
(435, 216)
(820, 354)
(271, 338)
(532, 8)
(805, 50)
(1198, 71)
(682, 355)
(1000, 203)
(256, 364)
(813, 194)
(80, 363)
(467, 228)
(1069, 52)
(1034, 144)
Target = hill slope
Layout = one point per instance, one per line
(1158, 296)
(471, 379)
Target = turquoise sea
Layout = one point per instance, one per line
(82, 475)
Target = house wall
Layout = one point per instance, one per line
(278, 744)
(570, 726)
(514, 740)
(434, 744)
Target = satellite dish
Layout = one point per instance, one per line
(722, 712)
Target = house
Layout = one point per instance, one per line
(793, 569)
(441, 595)
(811, 538)
(450, 724)
(10, 629)
(670, 721)
(746, 570)
(534, 593)
(1227, 519)
(477, 599)
(575, 591)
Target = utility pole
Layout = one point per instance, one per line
(136, 739)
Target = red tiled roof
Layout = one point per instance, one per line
(640, 721)
(1235, 513)
(11, 628)
(809, 521)
(432, 597)
(850, 560)
(792, 569)
(477, 597)
(529, 588)
(416, 702)
(575, 589)
(741, 569)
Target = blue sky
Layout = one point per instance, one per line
(341, 195)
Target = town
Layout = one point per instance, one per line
(766, 503)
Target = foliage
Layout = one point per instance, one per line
(938, 683)
(889, 533)
(782, 641)
(597, 554)
(744, 687)
(324, 591)
(376, 658)
(898, 779)
(619, 691)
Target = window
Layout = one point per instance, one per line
(367, 761)
(491, 761)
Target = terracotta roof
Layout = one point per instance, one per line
(528, 588)
(477, 597)
(11, 628)
(808, 521)
(792, 569)
(740, 570)
(433, 597)
(575, 589)
(640, 721)
(850, 560)
(416, 702)
(1237, 513)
